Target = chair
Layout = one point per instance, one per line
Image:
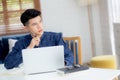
(74, 43)
(104, 61)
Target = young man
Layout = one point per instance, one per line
(32, 21)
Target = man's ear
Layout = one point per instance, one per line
(25, 27)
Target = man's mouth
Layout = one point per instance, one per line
(40, 30)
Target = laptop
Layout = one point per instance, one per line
(42, 60)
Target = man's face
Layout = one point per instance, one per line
(35, 26)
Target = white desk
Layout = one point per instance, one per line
(91, 74)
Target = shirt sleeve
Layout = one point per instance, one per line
(14, 58)
(68, 54)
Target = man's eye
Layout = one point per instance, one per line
(34, 24)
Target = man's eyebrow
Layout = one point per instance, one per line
(33, 23)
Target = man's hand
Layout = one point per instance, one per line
(34, 42)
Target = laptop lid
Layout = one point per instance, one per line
(44, 59)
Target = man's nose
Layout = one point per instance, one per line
(39, 26)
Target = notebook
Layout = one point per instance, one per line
(42, 60)
(71, 69)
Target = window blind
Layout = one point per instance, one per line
(10, 11)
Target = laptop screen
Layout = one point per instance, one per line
(44, 59)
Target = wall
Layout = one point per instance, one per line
(71, 18)
(68, 17)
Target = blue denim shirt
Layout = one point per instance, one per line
(14, 58)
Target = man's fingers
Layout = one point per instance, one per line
(37, 40)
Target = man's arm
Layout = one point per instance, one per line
(68, 54)
(14, 58)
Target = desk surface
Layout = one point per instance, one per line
(91, 74)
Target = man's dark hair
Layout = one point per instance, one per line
(29, 14)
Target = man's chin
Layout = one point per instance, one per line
(40, 34)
